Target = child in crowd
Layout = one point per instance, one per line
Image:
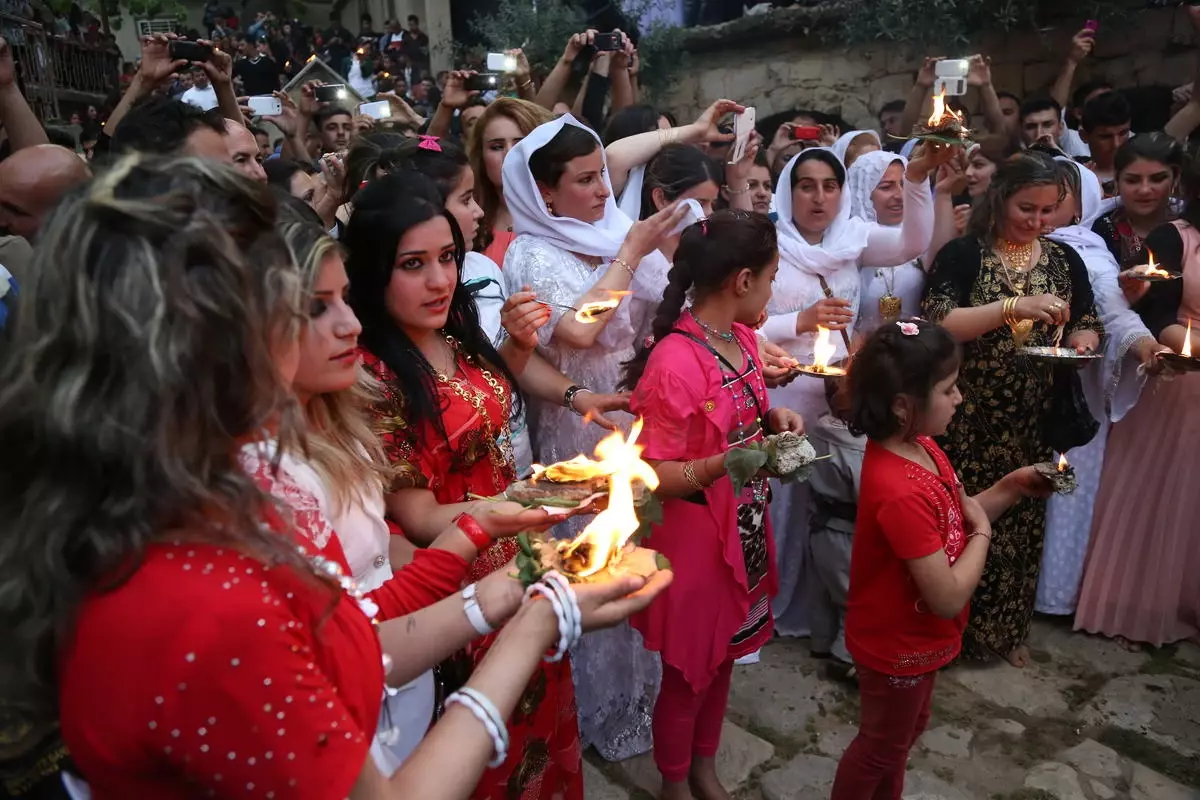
(701, 393)
(919, 546)
(835, 482)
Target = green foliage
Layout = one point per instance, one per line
(946, 24)
(138, 9)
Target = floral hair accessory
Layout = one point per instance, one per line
(362, 186)
(908, 328)
(429, 143)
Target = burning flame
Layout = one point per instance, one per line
(1186, 352)
(823, 349)
(1153, 269)
(591, 312)
(1062, 462)
(310, 59)
(621, 462)
(942, 114)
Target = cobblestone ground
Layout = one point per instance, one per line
(1087, 720)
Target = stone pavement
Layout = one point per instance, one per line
(1087, 720)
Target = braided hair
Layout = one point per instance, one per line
(710, 252)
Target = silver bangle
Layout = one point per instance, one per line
(474, 611)
(485, 711)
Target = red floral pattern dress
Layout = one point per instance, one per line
(474, 457)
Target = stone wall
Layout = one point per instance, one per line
(780, 68)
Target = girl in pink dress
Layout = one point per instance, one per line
(700, 391)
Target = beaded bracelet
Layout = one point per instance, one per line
(484, 711)
(689, 475)
(623, 263)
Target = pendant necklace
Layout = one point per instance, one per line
(724, 336)
(889, 304)
(1006, 252)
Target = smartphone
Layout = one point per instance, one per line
(265, 106)
(380, 109)
(483, 82)
(330, 93)
(609, 42)
(188, 50)
(951, 74)
(1092, 25)
(806, 133)
(743, 126)
(501, 62)
(691, 216)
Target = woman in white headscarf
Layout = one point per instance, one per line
(876, 186)
(820, 249)
(850, 146)
(1111, 386)
(574, 246)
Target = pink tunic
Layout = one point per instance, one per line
(688, 415)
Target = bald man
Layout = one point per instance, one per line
(32, 181)
(243, 150)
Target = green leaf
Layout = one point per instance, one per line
(742, 464)
(650, 513)
(524, 545)
(661, 561)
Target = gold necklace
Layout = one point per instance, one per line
(500, 441)
(1021, 328)
(1019, 255)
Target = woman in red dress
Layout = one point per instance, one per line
(701, 392)
(177, 617)
(445, 426)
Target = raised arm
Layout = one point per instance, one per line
(1081, 45)
(888, 247)
(552, 88)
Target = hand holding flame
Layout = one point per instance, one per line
(522, 315)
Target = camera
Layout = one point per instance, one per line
(188, 50)
(608, 42)
(483, 82)
(951, 75)
(330, 93)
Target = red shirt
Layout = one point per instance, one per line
(904, 512)
(208, 673)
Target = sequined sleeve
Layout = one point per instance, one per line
(393, 430)
(952, 277)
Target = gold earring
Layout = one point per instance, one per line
(549, 207)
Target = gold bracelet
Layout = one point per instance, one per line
(1009, 316)
(689, 474)
(668, 136)
(972, 535)
(623, 263)
(737, 192)
(526, 84)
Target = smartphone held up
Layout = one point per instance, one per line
(189, 50)
(330, 93)
(483, 82)
(609, 42)
(380, 109)
(265, 106)
(501, 62)
(743, 126)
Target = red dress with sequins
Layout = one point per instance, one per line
(206, 673)
(474, 457)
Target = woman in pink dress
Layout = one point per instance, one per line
(701, 392)
(1139, 582)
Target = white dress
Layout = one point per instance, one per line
(616, 678)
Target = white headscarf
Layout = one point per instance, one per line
(1115, 389)
(845, 238)
(846, 139)
(602, 238)
(864, 176)
(631, 195)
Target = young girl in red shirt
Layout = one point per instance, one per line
(919, 546)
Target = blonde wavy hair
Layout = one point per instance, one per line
(143, 353)
(526, 116)
(340, 443)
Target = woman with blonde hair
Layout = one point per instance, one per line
(177, 621)
(505, 123)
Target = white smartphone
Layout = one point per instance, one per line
(501, 62)
(951, 74)
(691, 216)
(265, 106)
(743, 126)
(380, 109)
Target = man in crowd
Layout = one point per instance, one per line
(243, 151)
(263, 138)
(1041, 122)
(336, 126)
(257, 70)
(416, 48)
(339, 42)
(32, 181)
(165, 126)
(1010, 107)
(891, 119)
(202, 94)
(1106, 124)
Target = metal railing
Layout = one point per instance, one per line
(53, 69)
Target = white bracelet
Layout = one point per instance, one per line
(566, 596)
(474, 612)
(488, 716)
(564, 623)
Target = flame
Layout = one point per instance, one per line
(942, 114)
(591, 312)
(359, 51)
(1153, 269)
(310, 59)
(1186, 352)
(823, 349)
(620, 461)
(1062, 462)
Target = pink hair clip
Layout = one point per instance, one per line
(908, 328)
(429, 143)
(362, 186)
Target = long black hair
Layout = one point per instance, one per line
(632, 120)
(384, 211)
(440, 160)
(896, 361)
(676, 169)
(709, 253)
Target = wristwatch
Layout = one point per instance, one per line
(570, 395)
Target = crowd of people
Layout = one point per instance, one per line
(264, 383)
